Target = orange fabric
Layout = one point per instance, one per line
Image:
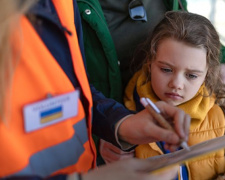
(66, 16)
(37, 74)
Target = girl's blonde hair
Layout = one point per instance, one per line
(10, 11)
(196, 31)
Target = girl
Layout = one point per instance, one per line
(182, 68)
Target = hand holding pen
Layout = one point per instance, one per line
(156, 113)
(142, 128)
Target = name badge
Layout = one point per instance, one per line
(50, 111)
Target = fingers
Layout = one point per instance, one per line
(111, 153)
(117, 157)
(106, 145)
(180, 119)
(140, 168)
(182, 124)
(160, 134)
(131, 169)
(142, 128)
(187, 126)
(171, 147)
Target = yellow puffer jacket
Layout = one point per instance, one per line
(207, 122)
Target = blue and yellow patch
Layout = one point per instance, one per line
(50, 115)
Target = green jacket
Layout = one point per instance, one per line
(101, 57)
(103, 64)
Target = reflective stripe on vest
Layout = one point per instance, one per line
(36, 75)
(54, 158)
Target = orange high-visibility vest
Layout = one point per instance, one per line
(64, 147)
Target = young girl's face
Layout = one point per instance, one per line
(178, 71)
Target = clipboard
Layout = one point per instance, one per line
(179, 157)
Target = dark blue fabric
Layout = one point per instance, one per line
(185, 172)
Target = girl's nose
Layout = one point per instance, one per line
(176, 82)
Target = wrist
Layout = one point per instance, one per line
(120, 139)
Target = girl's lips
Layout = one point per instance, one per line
(174, 96)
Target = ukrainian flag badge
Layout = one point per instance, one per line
(51, 114)
(50, 111)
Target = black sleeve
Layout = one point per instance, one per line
(106, 113)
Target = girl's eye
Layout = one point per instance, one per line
(191, 76)
(166, 70)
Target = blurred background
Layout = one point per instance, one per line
(214, 10)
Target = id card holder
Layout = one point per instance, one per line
(50, 111)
